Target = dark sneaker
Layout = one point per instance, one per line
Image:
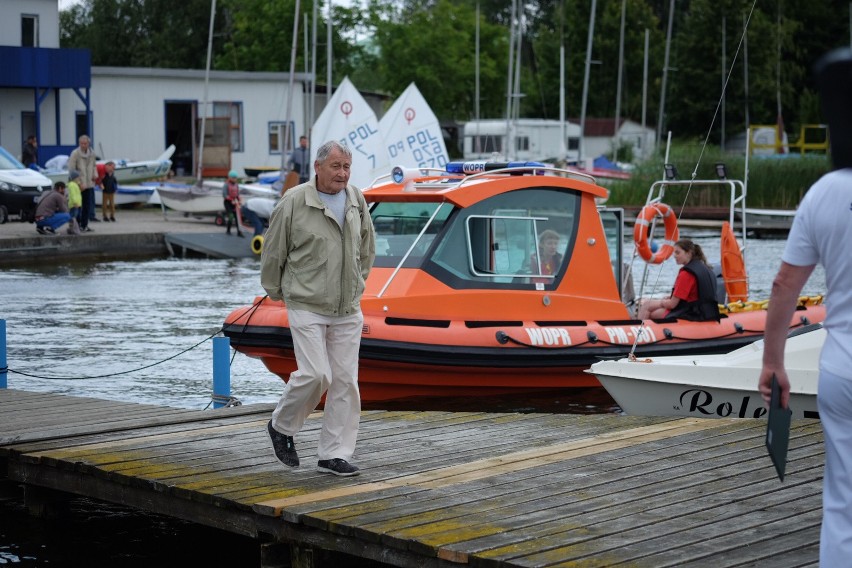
(41, 230)
(337, 466)
(50, 230)
(285, 449)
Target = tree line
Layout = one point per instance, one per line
(761, 51)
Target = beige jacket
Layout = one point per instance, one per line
(86, 164)
(309, 261)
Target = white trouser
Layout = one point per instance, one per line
(835, 411)
(326, 350)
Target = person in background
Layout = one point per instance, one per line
(52, 210)
(83, 160)
(298, 161)
(29, 155)
(231, 195)
(75, 197)
(694, 294)
(109, 186)
(318, 252)
(257, 211)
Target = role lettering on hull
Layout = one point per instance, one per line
(627, 335)
(702, 402)
(549, 336)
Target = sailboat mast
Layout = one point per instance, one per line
(586, 80)
(563, 149)
(509, 77)
(616, 146)
(206, 88)
(313, 103)
(477, 145)
(289, 115)
(328, 56)
(665, 74)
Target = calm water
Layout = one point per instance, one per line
(74, 321)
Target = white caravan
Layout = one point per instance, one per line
(535, 139)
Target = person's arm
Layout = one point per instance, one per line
(368, 238)
(274, 255)
(786, 287)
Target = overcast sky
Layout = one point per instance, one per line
(65, 4)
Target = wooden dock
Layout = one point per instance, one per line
(210, 245)
(441, 489)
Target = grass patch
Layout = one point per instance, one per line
(774, 183)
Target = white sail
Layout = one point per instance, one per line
(412, 134)
(348, 119)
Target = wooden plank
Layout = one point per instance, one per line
(438, 488)
(493, 466)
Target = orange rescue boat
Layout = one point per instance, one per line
(456, 305)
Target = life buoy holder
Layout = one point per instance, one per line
(640, 232)
(733, 266)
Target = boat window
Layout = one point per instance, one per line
(397, 227)
(613, 225)
(520, 239)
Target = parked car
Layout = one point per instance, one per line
(20, 188)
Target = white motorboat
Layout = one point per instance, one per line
(125, 171)
(713, 386)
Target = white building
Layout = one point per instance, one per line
(535, 139)
(601, 135)
(133, 113)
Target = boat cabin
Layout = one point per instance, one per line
(484, 231)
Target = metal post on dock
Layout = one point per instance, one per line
(221, 372)
(4, 371)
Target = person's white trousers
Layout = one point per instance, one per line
(834, 399)
(326, 350)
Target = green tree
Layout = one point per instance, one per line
(154, 33)
(434, 46)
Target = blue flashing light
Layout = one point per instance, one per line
(476, 167)
(398, 174)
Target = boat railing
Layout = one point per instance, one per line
(536, 170)
(737, 200)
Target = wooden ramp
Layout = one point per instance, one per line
(442, 489)
(212, 245)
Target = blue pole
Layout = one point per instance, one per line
(3, 370)
(221, 371)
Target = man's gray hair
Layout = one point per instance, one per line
(84, 137)
(324, 150)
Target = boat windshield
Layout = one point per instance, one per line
(520, 239)
(397, 227)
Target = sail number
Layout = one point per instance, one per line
(425, 148)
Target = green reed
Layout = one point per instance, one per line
(773, 182)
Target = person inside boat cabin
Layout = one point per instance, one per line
(694, 294)
(547, 260)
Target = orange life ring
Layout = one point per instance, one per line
(733, 266)
(640, 232)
